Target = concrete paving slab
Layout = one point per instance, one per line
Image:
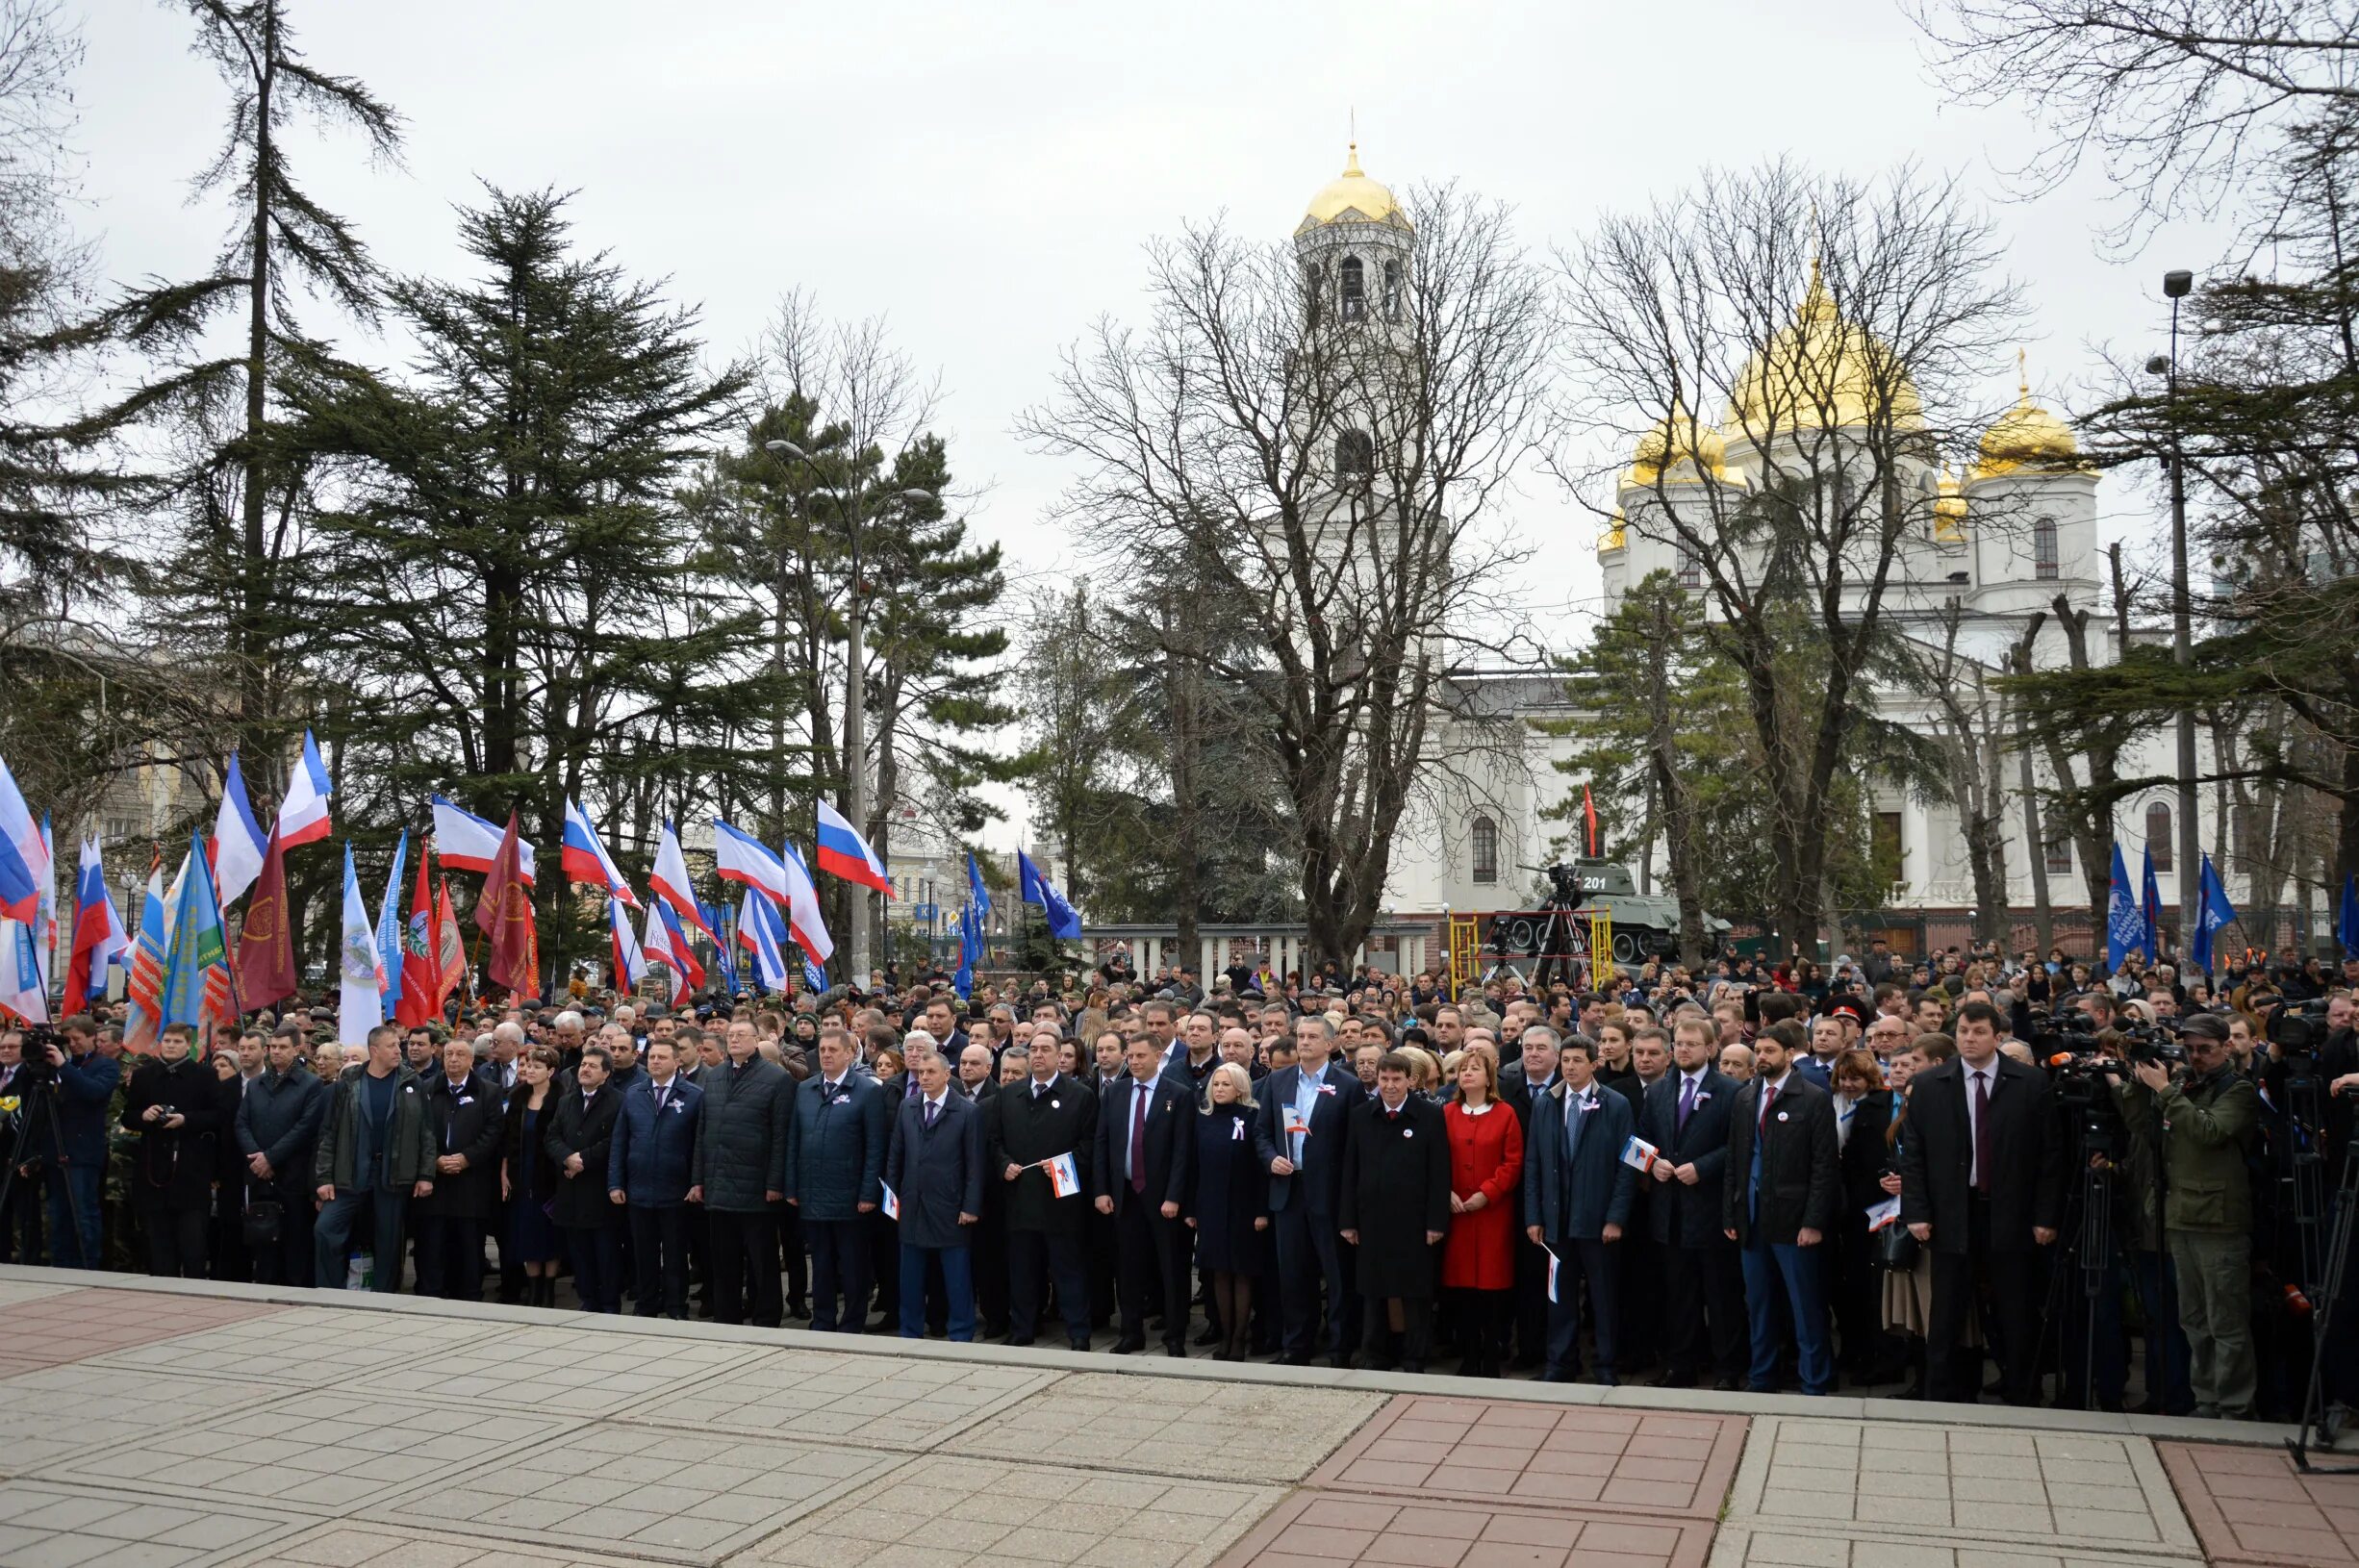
(845, 1397)
(1204, 1428)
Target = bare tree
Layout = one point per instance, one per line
(1842, 326)
(1324, 452)
(2169, 95)
(1973, 734)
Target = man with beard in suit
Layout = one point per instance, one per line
(1040, 1117)
(1685, 1117)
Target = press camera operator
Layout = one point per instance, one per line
(2209, 1116)
(2310, 1085)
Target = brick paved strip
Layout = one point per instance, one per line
(69, 1326)
(2250, 1505)
(1328, 1529)
(1545, 1455)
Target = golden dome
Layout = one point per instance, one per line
(1674, 449)
(2026, 437)
(1821, 372)
(1351, 197)
(1949, 510)
(1615, 537)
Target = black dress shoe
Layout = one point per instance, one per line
(1125, 1345)
(1341, 1362)
(1413, 1366)
(1210, 1334)
(1606, 1379)
(1292, 1358)
(1080, 1342)
(1725, 1385)
(1676, 1379)
(1020, 1341)
(1175, 1349)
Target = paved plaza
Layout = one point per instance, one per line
(158, 1425)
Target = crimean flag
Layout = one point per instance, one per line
(420, 1002)
(466, 843)
(630, 960)
(803, 914)
(504, 915)
(655, 944)
(265, 943)
(671, 880)
(684, 956)
(741, 857)
(145, 979)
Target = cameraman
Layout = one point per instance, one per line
(87, 1078)
(2208, 1117)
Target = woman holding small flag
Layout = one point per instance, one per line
(1228, 1204)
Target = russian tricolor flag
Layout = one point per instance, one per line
(803, 919)
(586, 859)
(469, 843)
(843, 852)
(671, 882)
(741, 857)
(675, 943)
(303, 815)
(21, 851)
(238, 844)
(763, 930)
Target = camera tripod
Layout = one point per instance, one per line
(2337, 1254)
(2093, 1246)
(41, 1093)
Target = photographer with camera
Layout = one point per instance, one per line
(2208, 1116)
(76, 1172)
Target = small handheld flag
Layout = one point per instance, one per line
(843, 852)
(892, 1204)
(1552, 1273)
(1064, 1176)
(1639, 1155)
(303, 815)
(1882, 1215)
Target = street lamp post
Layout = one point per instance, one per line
(855, 691)
(2176, 286)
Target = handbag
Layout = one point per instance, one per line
(263, 1219)
(1896, 1251)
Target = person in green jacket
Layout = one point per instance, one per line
(2209, 1115)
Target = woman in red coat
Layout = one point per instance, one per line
(1487, 1164)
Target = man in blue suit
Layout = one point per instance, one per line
(936, 1172)
(1685, 1117)
(649, 1167)
(1299, 1134)
(1782, 1194)
(85, 1084)
(1145, 1136)
(834, 1174)
(1577, 1197)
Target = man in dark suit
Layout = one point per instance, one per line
(834, 1170)
(935, 1172)
(466, 1116)
(1145, 1135)
(1982, 1183)
(1044, 1115)
(741, 1176)
(1532, 1072)
(1780, 1193)
(1577, 1197)
(1396, 1209)
(648, 1168)
(1687, 1118)
(1299, 1134)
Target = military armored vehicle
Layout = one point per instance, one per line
(1645, 926)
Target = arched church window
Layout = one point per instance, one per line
(1392, 290)
(2158, 835)
(1315, 290)
(1485, 843)
(2044, 549)
(1355, 457)
(1353, 291)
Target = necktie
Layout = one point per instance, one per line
(1982, 1134)
(933, 1108)
(1687, 1104)
(661, 1093)
(1138, 1138)
(1768, 1098)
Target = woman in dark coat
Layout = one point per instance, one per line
(177, 1106)
(578, 1138)
(1396, 1210)
(528, 1177)
(1228, 1204)
(1863, 1110)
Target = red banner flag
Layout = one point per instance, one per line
(504, 915)
(449, 948)
(265, 943)
(1588, 819)
(421, 1000)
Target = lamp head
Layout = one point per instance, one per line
(2177, 285)
(786, 449)
(2159, 365)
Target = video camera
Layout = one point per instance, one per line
(2067, 1045)
(36, 1069)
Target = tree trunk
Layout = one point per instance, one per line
(1183, 680)
(248, 634)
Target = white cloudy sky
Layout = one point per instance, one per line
(984, 174)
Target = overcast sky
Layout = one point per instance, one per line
(984, 175)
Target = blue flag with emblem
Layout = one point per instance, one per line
(970, 948)
(717, 920)
(2346, 921)
(813, 975)
(2125, 928)
(2151, 909)
(2212, 913)
(978, 895)
(1064, 921)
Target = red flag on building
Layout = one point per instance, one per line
(1588, 820)
(504, 916)
(265, 943)
(449, 948)
(421, 1000)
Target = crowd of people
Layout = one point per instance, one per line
(1981, 1176)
